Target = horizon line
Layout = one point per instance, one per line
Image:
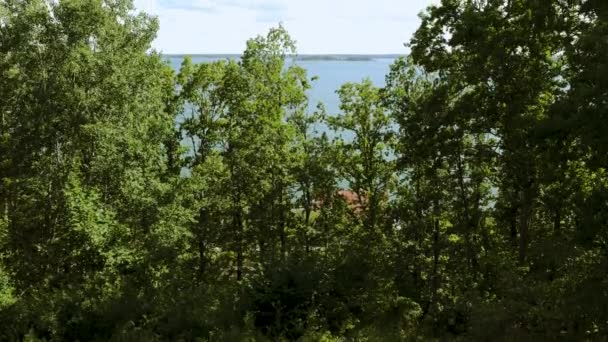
(290, 54)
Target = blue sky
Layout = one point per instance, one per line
(318, 26)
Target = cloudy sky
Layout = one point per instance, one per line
(318, 26)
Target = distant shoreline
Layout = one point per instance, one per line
(302, 57)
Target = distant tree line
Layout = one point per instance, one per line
(468, 199)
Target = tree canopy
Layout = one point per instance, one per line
(465, 199)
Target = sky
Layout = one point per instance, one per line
(318, 26)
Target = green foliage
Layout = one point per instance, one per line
(140, 204)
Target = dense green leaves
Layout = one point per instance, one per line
(465, 199)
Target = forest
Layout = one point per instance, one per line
(467, 199)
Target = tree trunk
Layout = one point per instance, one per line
(282, 224)
(513, 226)
(239, 245)
(466, 220)
(306, 223)
(202, 247)
(434, 285)
(557, 221)
(436, 250)
(524, 223)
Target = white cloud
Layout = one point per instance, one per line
(319, 26)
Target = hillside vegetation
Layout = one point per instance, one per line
(469, 201)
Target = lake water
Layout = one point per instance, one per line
(331, 75)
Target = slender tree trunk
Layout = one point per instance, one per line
(237, 216)
(466, 218)
(524, 227)
(513, 226)
(436, 251)
(307, 211)
(282, 224)
(435, 270)
(239, 245)
(418, 240)
(557, 221)
(525, 219)
(202, 260)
